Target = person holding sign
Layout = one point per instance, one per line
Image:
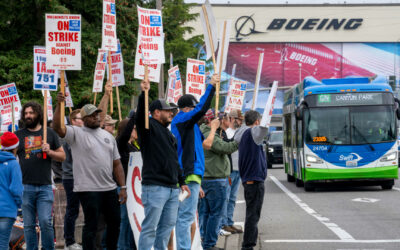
(36, 175)
(160, 174)
(191, 156)
(96, 168)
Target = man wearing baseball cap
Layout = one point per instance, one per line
(191, 156)
(95, 166)
(160, 174)
(109, 124)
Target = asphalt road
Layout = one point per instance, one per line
(340, 218)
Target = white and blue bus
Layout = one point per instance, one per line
(340, 130)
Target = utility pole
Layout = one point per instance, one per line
(161, 90)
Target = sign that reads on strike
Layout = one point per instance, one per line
(8, 95)
(43, 78)
(237, 90)
(195, 77)
(175, 85)
(151, 36)
(153, 69)
(99, 71)
(117, 67)
(63, 41)
(109, 38)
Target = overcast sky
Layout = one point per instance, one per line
(296, 1)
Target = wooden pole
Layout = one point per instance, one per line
(62, 105)
(70, 110)
(110, 78)
(45, 117)
(95, 96)
(209, 36)
(258, 76)
(119, 105)
(12, 117)
(146, 98)
(220, 70)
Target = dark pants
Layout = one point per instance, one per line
(93, 204)
(71, 212)
(254, 196)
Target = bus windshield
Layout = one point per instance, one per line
(350, 125)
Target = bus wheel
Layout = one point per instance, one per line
(387, 185)
(290, 178)
(308, 187)
(299, 183)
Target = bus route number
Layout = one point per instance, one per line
(319, 139)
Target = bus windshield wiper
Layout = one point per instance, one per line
(331, 148)
(363, 137)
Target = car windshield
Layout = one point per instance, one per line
(276, 137)
(350, 125)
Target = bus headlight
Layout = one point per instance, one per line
(270, 150)
(314, 159)
(389, 157)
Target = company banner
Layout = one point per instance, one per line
(151, 35)
(134, 202)
(43, 78)
(235, 98)
(49, 106)
(154, 69)
(117, 67)
(269, 107)
(109, 37)
(63, 41)
(99, 71)
(195, 77)
(9, 94)
(175, 85)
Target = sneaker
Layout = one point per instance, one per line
(229, 229)
(74, 246)
(238, 229)
(222, 232)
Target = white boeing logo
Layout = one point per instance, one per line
(351, 157)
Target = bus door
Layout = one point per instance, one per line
(287, 143)
(300, 151)
(293, 144)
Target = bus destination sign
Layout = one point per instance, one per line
(349, 99)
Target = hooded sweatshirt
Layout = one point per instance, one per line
(10, 185)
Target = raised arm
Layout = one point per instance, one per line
(57, 117)
(140, 114)
(208, 142)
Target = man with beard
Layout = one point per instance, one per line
(35, 159)
(160, 174)
(96, 162)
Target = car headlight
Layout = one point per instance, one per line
(389, 157)
(314, 159)
(270, 150)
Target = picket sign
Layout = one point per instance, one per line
(269, 107)
(257, 82)
(175, 90)
(43, 77)
(109, 28)
(195, 77)
(236, 95)
(48, 104)
(99, 73)
(230, 86)
(10, 106)
(210, 32)
(134, 202)
(153, 69)
(68, 98)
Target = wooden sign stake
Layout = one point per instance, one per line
(110, 78)
(146, 98)
(12, 117)
(119, 105)
(95, 96)
(220, 70)
(258, 76)
(62, 105)
(45, 117)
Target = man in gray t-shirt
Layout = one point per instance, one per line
(96, 162)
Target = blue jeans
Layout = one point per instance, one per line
(38, 199)
(227, 218)
(125, 240)
(160, 210)
(186, 216)
(6, 225)
(211, 207)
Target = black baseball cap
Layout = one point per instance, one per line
(160, 104)
(187, 100)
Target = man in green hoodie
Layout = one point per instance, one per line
(214, 184)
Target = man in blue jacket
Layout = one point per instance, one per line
(191, 156)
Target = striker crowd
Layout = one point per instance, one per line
(194, 151)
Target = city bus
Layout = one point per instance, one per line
(340, 130)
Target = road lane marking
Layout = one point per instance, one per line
(366, 200)
(341, 233)
(395, 188)
(240, 201)
(333, 241)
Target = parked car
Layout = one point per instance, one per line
(273, 148)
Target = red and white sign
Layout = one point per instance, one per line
(154, 69)
(99, 71)
(49, 106)
(43, 78)
(269, 107)
(68, 97)
(63, 41)
(195, 77)
(8, 95)
(175, 85)
(117, 67)
(151, 36)
(134, 202)
(237, 90)
(109, 37)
